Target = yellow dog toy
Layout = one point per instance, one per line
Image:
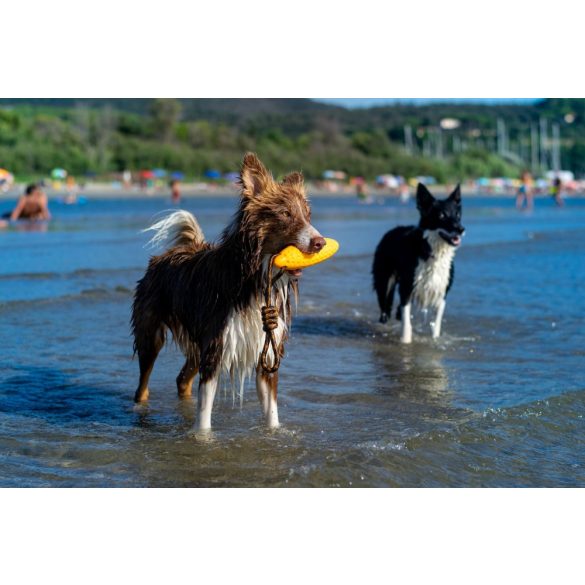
(292, 258)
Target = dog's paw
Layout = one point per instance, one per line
(383, 318)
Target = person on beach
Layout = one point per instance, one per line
(175, 192)
(525, 195)
(32, 206)
(404, 192)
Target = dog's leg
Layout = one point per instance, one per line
(385, 286)
(389, 299)
(207, 391)
(267, 390)
(186, 377)
(262, 389)
(439, 319)
(209, 371)
(406, 336)
(147, 354)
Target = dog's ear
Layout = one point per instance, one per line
(253, 176)
(424, 198)
(295, 179)
(456, 195)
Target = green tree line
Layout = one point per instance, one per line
(193, 136)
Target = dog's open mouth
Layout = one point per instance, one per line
(451, 238)
(295, 273)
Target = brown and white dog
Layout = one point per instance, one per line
(210, 295)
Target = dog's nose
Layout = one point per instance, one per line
(317, 243)
(461, 230)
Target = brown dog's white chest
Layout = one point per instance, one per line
(243, 337)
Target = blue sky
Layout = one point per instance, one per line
(369, 102)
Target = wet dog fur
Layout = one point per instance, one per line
(209, 296)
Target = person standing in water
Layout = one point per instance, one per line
(175, 192)
(557, 191)
(525, 193)
(361, 190)
(32, 206)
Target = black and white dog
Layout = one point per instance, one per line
(419, 261)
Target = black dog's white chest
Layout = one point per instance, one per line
(432, 275)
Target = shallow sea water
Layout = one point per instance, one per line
(497, 401)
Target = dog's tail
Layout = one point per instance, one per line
(180, 228)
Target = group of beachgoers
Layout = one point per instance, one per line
(33, 205)
(525, 193)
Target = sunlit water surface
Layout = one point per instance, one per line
(497, 401)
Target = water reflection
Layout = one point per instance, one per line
(413, 371)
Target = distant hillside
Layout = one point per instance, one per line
(450, 141)
(305, 114)
(290, 114)
(193, 108)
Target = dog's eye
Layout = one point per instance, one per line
(441, 215)
(286, 214)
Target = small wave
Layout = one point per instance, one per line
(84, 294)
(524, 425)
(80, 272)
(102, 271)
(103, 291)
(30, 276)
(331, 326)
(382, 446)
(572, 401)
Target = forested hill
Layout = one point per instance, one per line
(232, 109)
(447, 140)
(213, 109)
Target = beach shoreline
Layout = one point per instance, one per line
(198, 191)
